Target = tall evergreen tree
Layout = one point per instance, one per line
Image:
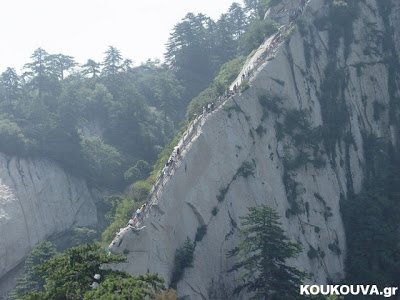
(250, 7)
(91, 67)
(237, 20)
(112, 67)
(59, 63)
(10, 84)
(127, 65)
(226, 46)
(32, 282)
(263, 251)
(112, 62)
(37, 69)
(189, 52)
(71, 276)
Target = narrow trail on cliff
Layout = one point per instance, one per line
(249, 71)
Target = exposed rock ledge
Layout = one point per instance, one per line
(38, 199)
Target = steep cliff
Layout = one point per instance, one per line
(293, 140)
(38, 200)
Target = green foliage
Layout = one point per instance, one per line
(244, 86)
(261, 130)
(334, 247)
(270, 57)
(342, 14)
(293, 190)
(301, 23)
(222, 193)
(378, 110)
(12, 137)
(215, 211)
(121, 208)
(333, 107)
(124, 286)
(327, 209)
(327, 212)
(188, 52)
(262, 252)
(312, 253)
(289, 33)
(371, 219)
(139, 191)
(183, 259)
(228, 72)
(246, 169)
(123, 212)
(32, 281)
(200, 233)
(48, 114)
(75, 237)
(71, 274)
(139, 171)
(298, 161)
(270, 104)
(104, 161)
(163, 91)
(257, 33)
(340, 11)
(296, 120)
(232, 106)
(164, 155)
(307, 53)
(264, 5)
(169, 294)
(306, 139)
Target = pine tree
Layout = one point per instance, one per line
(11, 85)
(112, 62)
(112, 68)
(32, 282)
(237, 20)
(70, 275)
(91, 67)
(262, 253)
(59, 63)
(189, 52)
(124, 286)
(37, 69)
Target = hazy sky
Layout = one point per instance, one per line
(85, 28)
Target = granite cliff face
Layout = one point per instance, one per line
(38, 200)
(299, 133)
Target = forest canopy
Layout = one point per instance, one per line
(98, 119)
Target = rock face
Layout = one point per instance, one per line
(38, 200)
(293, 140)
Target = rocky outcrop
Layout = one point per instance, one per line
(38, 200)
(294, 140)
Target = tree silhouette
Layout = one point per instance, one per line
(262, 253)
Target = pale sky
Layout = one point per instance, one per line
(85, 28)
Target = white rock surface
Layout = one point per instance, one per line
(227, 138)
(38, 200)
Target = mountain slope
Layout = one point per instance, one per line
(294, 140)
